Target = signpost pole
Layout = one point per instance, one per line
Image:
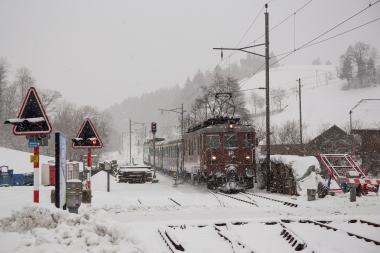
(36, 179)
(89, 168)
(108, 181)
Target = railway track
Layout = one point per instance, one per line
(275, 200)
(370, 223)
(238, 199)
(235, 244)
(305, 236)
(220, 202)
(352, 234)
(176, 202)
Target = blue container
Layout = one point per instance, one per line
(29, 179)
(18, 179)
(6, 180)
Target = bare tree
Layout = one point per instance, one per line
(68, 119)
(278, 96)
(230, 104)
(323, 127)
(345, 71)
(24, 81)
(287, 133)
(49, 99)
(359, 54)
(256, 101)
(4, 68)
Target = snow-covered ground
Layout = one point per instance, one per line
(128, 218)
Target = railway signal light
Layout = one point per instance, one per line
(92, 141)
(77, 141)
(154, 127)
(28, 125)
(87, 137)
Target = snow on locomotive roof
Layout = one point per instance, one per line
(213, 122)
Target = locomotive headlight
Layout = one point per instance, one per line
(247, 157)
(249, 172)
(213, 158)
(231, 126)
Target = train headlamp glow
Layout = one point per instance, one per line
(213, 158)
(247, 157)
(231, 126)
(249, 172)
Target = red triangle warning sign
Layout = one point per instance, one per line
(32, 119)
(87, 137)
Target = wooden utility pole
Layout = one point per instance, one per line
(130, 141)
(267, 95)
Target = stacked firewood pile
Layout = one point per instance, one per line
(281, 178)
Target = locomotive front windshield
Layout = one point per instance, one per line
(230, 141)
(212, 141)
(248, 142)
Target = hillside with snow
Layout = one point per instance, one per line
(19, 161)
(324, 102)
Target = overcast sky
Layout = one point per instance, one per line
(101, 52)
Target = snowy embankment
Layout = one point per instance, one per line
(19, 161)
(46, 228)
(324, 103)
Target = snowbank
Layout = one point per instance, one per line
(48, 229)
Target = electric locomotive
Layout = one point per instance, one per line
(220, 153)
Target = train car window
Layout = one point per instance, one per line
(212, 141)
(199, 144)
(230, 141)
(248, 140)
(191, 147)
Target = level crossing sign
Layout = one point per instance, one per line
(32, 119)
(87, 137)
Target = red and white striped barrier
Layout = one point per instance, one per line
(363, 181)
